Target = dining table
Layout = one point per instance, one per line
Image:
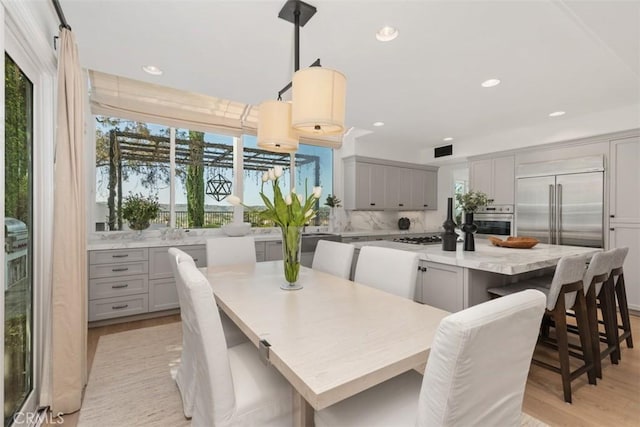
(331, 339)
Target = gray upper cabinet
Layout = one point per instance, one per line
(495, 177)
(374, 184)
(624, 204)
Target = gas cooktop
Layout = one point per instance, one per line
(422, 240)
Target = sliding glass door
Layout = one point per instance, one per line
(18, 247)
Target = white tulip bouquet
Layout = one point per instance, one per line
(290, 213)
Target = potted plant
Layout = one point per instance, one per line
(470, 202)
(139, 210)
(333, 202)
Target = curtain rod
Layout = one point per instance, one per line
(63, 20)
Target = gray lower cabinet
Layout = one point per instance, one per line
(124, 282)
(260, 251)
(440, 286)
(118, 283)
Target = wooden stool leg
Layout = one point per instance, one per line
(624, 310)
(563, 351)
(592, 316)
(582, 321)
(608, 309)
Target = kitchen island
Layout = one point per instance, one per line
(457, 280)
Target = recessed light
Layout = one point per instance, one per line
(153, 70)
(447, 139)
(490, 83)
(557, 114)
(378, 124)
(386, 34)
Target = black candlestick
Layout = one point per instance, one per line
(449, 237)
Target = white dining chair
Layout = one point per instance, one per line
(231, 250)
(390, 270)
(334, 258)
(234, 388)
(185, 374)
(475, 374)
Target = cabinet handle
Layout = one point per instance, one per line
(120, 269)
(425, 206)
(423, 269)
(119, 307)
(125, 285)
(372, 204)
(400, 204)
(612, 229)
(120, 256)
(612, 216)
(195, 260)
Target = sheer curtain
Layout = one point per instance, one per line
(64, 373)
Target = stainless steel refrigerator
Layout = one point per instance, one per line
(561, 202)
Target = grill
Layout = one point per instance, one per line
(421, 240)
(16, 235)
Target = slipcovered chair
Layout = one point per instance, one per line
(475, 375)
(334, 258)
(228, 251)
(186, 371)
(231, 250)
(233, 387)
(390, 270)
(566, 291)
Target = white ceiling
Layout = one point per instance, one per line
(582, 57)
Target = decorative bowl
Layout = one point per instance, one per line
(236, 229)
(515, 242)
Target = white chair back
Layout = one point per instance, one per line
(215, 397)
(231, 250)
(479, 362)
(600, 264)
(185, 375)
(619, 255)
(390, 270)
(570, 269)
(333, 258)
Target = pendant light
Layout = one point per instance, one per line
(318, 97)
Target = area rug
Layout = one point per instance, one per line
(131, 384)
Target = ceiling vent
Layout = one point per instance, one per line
(445, 150)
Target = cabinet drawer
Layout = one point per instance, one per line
(163, 294)
(118, 287)
(115, 270)
(160, 262)
(118, 255)
(108, 308)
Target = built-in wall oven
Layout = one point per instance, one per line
(495, 220)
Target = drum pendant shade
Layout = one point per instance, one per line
(319, 97)
(274, 127)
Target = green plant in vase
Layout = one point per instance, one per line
(290, 213)
(139, 210)
(470, 202)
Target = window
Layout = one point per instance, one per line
(134, 157)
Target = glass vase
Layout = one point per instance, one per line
(291, 252)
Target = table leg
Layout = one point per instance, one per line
(302, 411)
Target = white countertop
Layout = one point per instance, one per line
(491, 258)
(124, 240)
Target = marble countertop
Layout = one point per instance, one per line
(491, 258)
(125, 240)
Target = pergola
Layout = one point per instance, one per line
(149, 149)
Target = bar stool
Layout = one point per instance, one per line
(615, 287)
(566, 291)
(595, 277)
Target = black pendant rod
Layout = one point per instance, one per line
(63, 20)
(302, 12)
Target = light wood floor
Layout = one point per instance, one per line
(615, 401)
